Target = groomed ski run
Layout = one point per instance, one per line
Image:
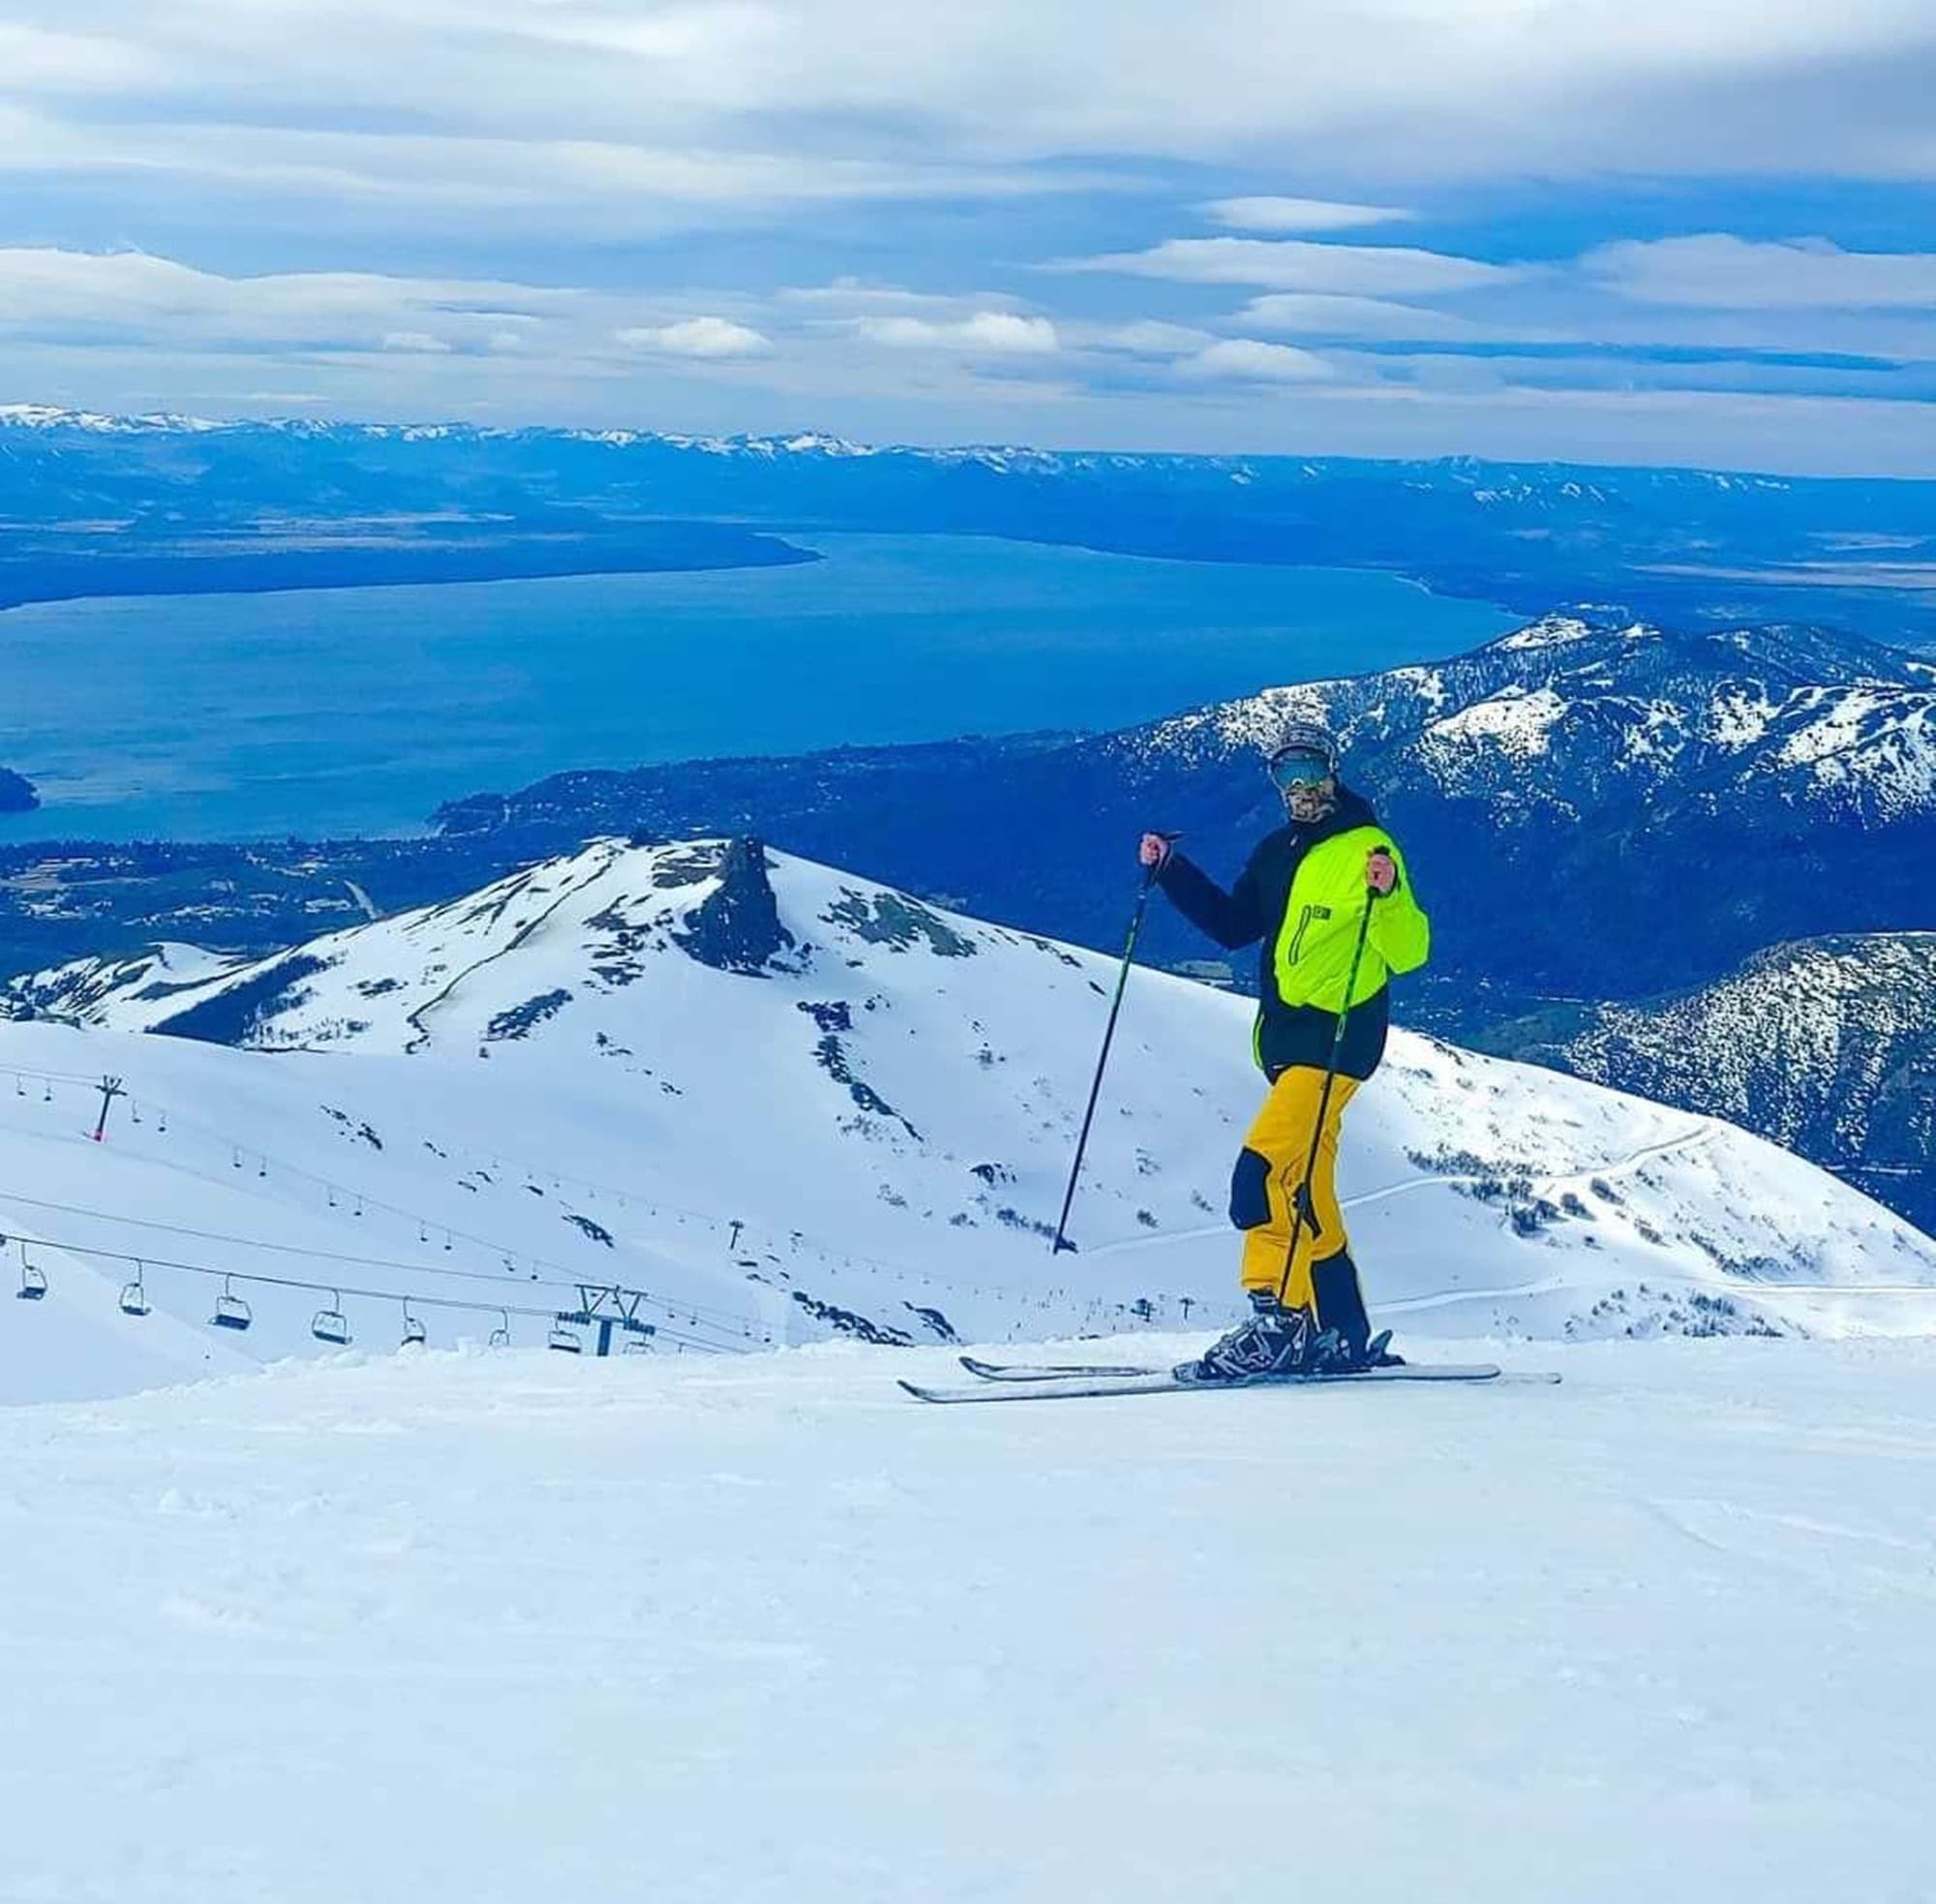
(499, 1627)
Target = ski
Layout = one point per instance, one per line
(1048, 1371)
(1089, 1384)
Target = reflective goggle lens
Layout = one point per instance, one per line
(1299, 767)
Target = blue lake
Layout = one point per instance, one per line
(359, 710)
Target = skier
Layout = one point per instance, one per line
(1307, 891)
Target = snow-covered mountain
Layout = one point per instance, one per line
(1531, 491)
(1493, 486)
(1829, 1046)
(1565, 720)
(1594, 810)
(785, 1103)
(1598, 810)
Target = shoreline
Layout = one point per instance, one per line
(180, 577)
(193, 577)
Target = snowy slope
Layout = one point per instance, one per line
(1829, 1045)
(787, 1103)
(476, 1630)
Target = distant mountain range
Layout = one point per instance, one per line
(105, 504)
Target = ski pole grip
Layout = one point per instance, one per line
(1150, 873)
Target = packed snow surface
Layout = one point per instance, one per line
(499, 1628)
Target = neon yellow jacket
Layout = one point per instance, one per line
(1301, 896)
(1311, 955)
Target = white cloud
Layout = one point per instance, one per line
(698, 337)
(109, 300)
(35, 59)
(1247, 359)
(996, 333)
(1298, 215)
(45, 289)
(586, 187)
(858, 295)
(1718, 271)
(1152, 339)
(1379, 89)
(1375, 319)
(1300, 265)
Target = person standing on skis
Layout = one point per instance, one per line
(1306, 893)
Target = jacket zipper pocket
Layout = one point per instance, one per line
(1296, 949)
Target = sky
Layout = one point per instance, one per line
(1686, 231)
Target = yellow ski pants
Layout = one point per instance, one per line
(1270, 1168)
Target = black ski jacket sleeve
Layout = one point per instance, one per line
(1233, 919)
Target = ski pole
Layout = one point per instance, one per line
(1302, 1206)
(1062, 1241)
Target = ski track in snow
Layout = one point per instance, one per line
(1434, 1180)
(501, 1628)
(578, 877)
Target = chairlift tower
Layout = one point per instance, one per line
(109, 1089)
(607, 1311)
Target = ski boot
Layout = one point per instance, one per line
(1275, 1343)
(1377, 1353)
(1341, 1303)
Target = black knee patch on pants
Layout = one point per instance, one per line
(1250, 1191)
(1341, 1303)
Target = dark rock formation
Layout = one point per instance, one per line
(233, 1015)
(16, 793)
(738, 929)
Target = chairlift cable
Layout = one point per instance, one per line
(259, 1278)
(573, 1285)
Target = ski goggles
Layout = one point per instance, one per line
(1299, 767)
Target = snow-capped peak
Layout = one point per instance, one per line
(46, 417)
(1549, 631)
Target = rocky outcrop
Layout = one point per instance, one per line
(16, 793)
(738, 927)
